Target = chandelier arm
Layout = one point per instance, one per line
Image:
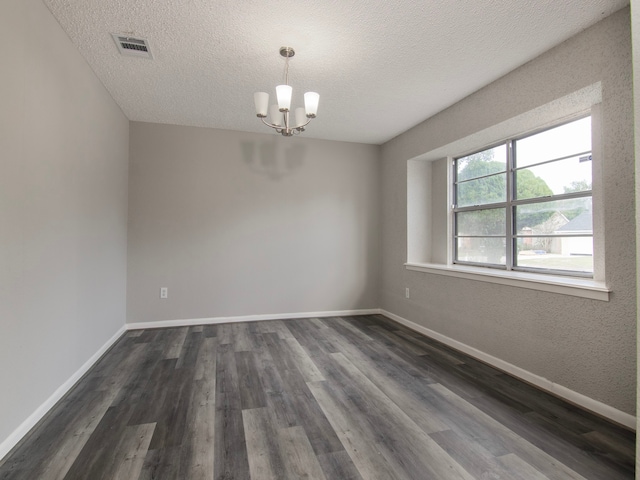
(277, 128)
(305, 124)
(285, 127)
(272, 125)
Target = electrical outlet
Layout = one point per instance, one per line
(164, 292)
(406, 292)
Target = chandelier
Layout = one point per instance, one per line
(279, 114)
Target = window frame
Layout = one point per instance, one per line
(512, 202)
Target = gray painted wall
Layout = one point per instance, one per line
(63, 211)
(585, 345)
(635, 30)
(241, 224)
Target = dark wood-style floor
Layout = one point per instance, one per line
(336, 398)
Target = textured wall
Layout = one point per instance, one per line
(585, 345)
(242, 224)
(635, 29)
(63, 211)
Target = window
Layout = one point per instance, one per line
(526, 203)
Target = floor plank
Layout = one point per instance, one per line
(197, 457)
(230, 452)
(301, 462)
(265, 458)
(339, 465)
(355, 434)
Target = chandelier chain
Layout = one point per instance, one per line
(286, 70)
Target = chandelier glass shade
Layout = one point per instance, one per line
(279, 117)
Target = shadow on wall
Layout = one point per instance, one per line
(275, 159)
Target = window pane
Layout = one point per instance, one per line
(563, 176)
(556, 253)
(569, 139)
(481, 191)
(482, 250)
(560, 217)
(482, 222)
(493, 160)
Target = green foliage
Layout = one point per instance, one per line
(530, 186)
(578, 186)
(484, 190)
(492, 188)
(479, 164)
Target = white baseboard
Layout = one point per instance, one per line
(24, 428)
(542, 383)
(188, 322)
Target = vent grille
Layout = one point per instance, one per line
(136, 47)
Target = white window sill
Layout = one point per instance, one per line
(579, 287)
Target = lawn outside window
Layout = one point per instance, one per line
(526, 203)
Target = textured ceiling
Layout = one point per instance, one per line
(380, 66)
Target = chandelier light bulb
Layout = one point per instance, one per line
(276, 115)
(301, 117)
(284, 97)
(261, 100)
(311, 100)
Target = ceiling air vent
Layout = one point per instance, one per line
(136, 47)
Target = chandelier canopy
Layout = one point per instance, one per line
(279, 113)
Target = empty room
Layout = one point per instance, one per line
(323, 240)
